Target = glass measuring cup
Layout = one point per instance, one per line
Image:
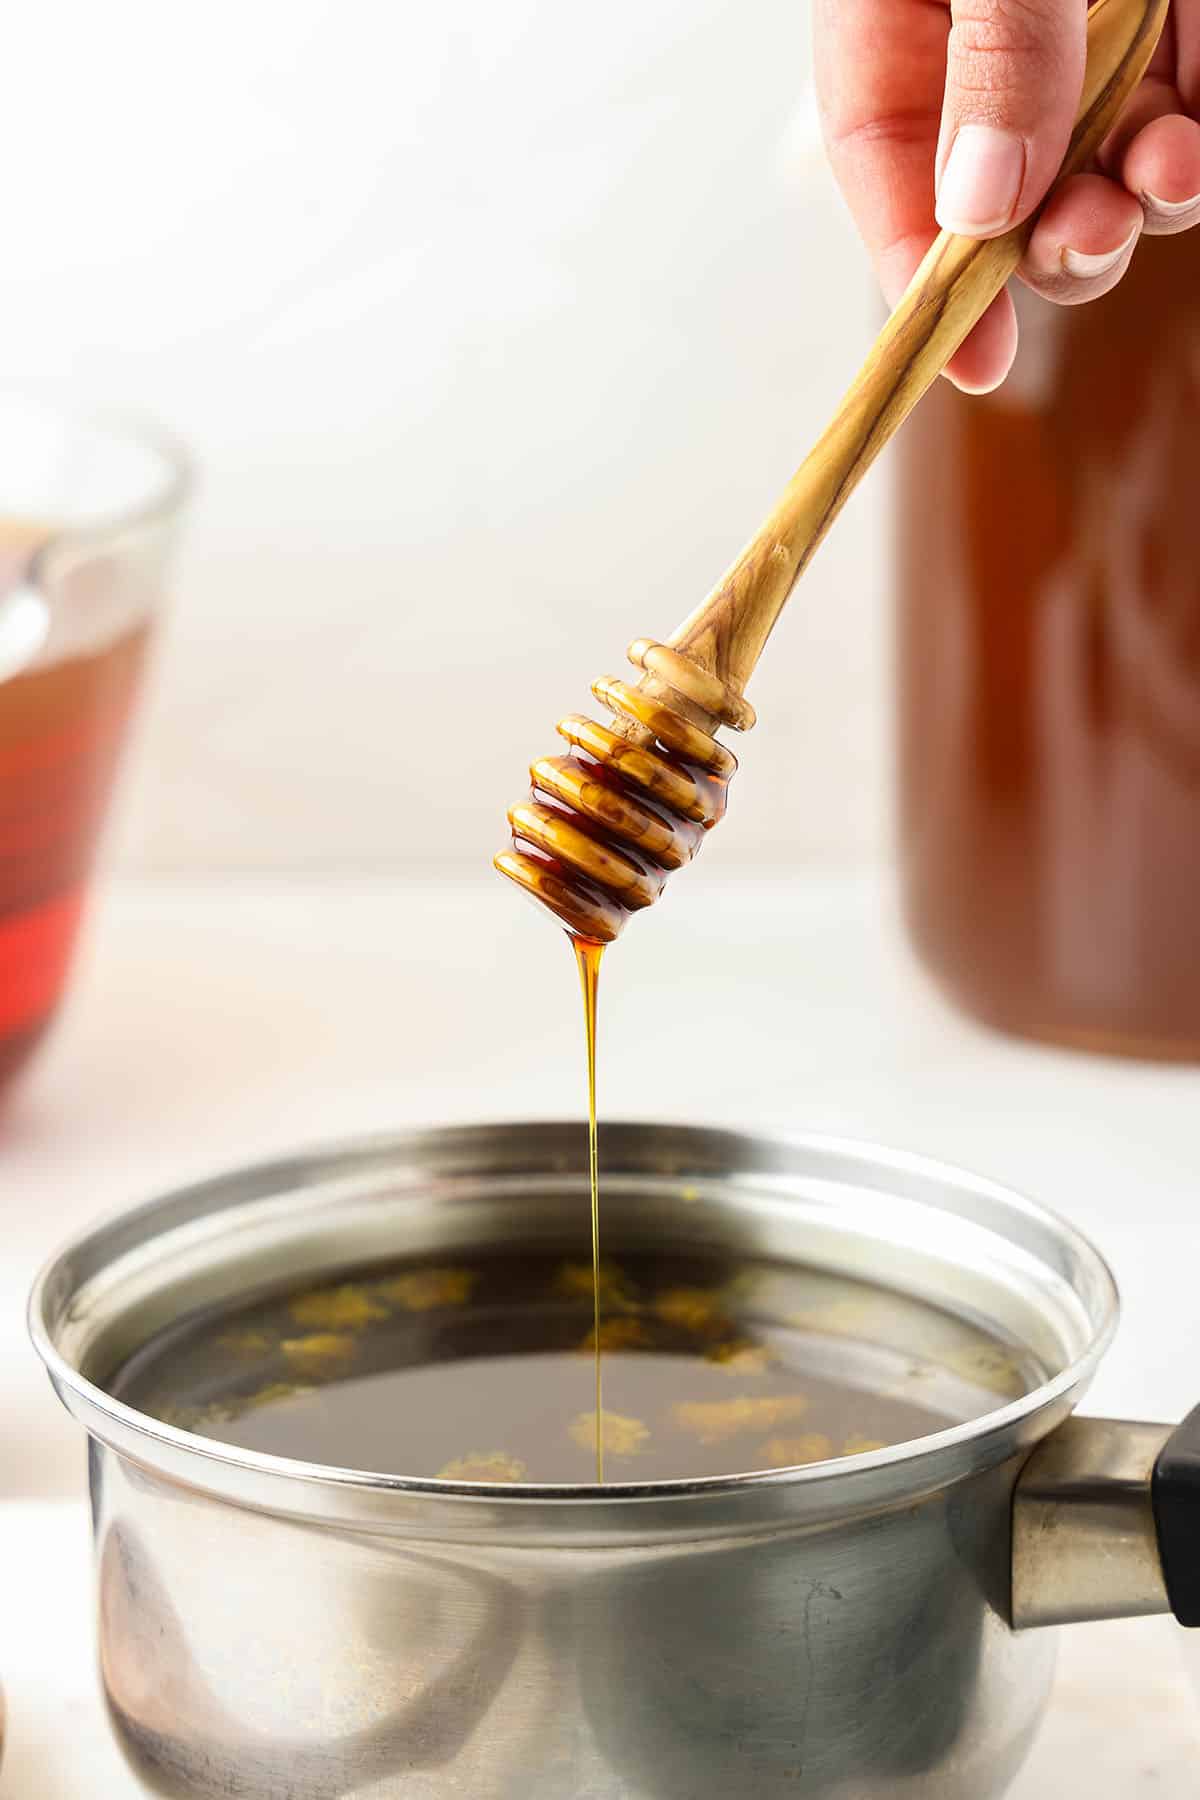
(89, 511)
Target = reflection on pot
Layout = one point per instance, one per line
(884, 1638)
(214, 1688)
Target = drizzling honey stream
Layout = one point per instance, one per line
(655, 784)
(606, 824)
(588, 955)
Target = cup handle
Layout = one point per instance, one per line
(1106, 1524)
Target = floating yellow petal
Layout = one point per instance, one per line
(787, 1452)
(623, 1333)
(483, 1465)
(740, 1357)
(713, 1421)
(574, 1281)
(320, 1353)
(245, 1342)
(692, 1309)
(345, 1308)
(621, 1436)
(421, 1290)
(168, 1412)
(858, 1445)
(275, 1391)
(224, 1412)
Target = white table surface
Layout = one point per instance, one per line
(212, 1023)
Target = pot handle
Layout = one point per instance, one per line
(1175, 1497)
(1106, 1524)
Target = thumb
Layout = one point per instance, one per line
(1014, 75)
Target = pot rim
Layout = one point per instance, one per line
(928, 1462)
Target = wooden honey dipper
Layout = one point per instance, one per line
(606, 824)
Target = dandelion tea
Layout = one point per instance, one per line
(484, 1371)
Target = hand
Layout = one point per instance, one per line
(975, 101)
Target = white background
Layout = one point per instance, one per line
(496, 326)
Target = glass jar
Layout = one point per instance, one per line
(1049, 672)
(88, 517)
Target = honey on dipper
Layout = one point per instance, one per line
(606, 824)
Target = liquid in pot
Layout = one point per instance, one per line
(484, 1371)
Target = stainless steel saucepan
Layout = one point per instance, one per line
(875, 1626)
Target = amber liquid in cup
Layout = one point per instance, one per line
(1049, 672)
(62, 723)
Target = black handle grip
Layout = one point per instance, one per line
(1175, 1496)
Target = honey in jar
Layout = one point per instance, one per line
(1049, 672)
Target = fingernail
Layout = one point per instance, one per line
(1088, 268)
(981, 181)
(1169, 209)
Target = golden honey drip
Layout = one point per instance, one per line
(588, 957)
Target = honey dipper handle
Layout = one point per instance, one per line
(949, 293)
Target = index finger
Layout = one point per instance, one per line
(880, 73)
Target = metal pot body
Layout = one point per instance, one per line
(248, 1654)
(270, 1629)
